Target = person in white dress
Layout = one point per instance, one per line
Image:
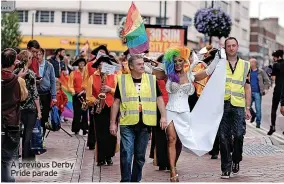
(180, 121)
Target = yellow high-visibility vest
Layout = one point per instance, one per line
(129, 106)
(235, 82)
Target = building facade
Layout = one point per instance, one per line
(60, 24)
(266, 36)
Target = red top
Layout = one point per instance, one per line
(77, 81)
(162, 86)
(91, 70)
(35, 66)
(62, 100)
(110, 81)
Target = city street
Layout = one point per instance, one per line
(262, 159)
(266, 110)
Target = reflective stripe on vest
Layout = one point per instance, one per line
(235, 83)
(246, 70)
(129, 107)
(128, 99)
(125, 113)
(234, 94)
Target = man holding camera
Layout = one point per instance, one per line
(13, 92)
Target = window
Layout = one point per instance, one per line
(147, 20)
(187, 21)
(161, 21)
(244, 36)
(71, 17)
(207, 4)
(44, 16)
(98, 18)
(117, 18)
(224, 6)
(23, 16)
(245, 12)
(237, 13)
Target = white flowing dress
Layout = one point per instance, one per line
(197, 129)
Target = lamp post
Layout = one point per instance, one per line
(165, 14)
(160, 13)
(79, 31)
(33, 20)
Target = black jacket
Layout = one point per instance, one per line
(56, 67)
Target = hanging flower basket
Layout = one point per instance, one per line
(213, 22)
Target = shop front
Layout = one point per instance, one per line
(50, 43)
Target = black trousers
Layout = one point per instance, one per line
(161, 144)
(106, 142)
(91, 133)
(192, 100)
(80, 118)
(28, 118)
(275, 105)
(232, 124)
(45, 101)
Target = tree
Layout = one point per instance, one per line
(213, 22)
(10, 31)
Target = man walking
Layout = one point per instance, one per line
(137, 96)
(259, 83)
(278, 78)
(57, 61)
(13, 92)
(236, 108)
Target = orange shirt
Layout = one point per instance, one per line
(199, 88)
(94, 87)
(89, 70)
(75, 81)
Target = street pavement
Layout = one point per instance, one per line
(263, 159)
(266, 110)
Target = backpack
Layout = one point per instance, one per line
(54, 124)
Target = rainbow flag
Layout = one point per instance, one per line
(68, 109)
(134, 32)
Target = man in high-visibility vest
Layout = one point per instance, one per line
(137, 96)
(236, 109)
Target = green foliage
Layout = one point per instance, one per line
(10, 30)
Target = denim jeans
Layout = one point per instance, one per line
(10, 141)
(232, 124)
(256, 98)
(134, 141)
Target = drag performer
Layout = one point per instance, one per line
(194, 130)
(88, 72)
(80, 118)
(100, 91)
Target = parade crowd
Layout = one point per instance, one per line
(144, 100)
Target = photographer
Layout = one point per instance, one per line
(13, 92)
(30, 108)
